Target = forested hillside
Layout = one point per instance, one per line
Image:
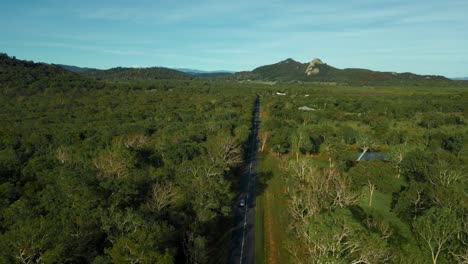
(405, 202)
(18, 77)
(137, 74)
(290, 70)
(116, 175)
(75, 68)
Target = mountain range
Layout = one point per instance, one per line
(186, 70)
(287, 70)
(195, 71)
(121, 74)
(144, 74)
(290, 70)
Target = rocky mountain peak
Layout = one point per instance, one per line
(312, 69)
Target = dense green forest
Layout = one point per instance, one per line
(136, 168)
(93, 172)
(407, 205)
(137, 74)
(23, 78)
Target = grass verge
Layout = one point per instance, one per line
(272, 219)
(259, 245)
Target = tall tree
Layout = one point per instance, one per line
(436, 228)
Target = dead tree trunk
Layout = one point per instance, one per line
(371, 192)
(364, 150)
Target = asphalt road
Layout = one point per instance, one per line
(242, 249)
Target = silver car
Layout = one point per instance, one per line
(242, 202)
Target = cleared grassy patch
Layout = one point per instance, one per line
(381, 207)
(272, 221)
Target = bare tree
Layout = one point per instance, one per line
(163, 195)
(297, 141)
(135, 141)
(62, 154)
(367, 250)
(112, 163)
(462, 257)
(332, 244)
(30, 245)
(302, 204)
(263, 139)
(447, 174)
(417, 202)
(301, 168)
(225, 150)
(366, 144)
(295, 252)
(385, 229)
(437, 227)
(371, 191)
(338, 188)
(396, 157)
(381, 225)
(314, 191)
(331, 149)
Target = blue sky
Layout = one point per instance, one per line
(425, 37)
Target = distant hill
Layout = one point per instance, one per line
(20, 77)
(290, 70)
(145, 74)
(75, 68)
(461, 79)
(28, 76)
(213, 75)
(206, 74)
(196, 72)
(121, 74)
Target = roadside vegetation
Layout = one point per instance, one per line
(273, 219)
(139, 168)
(94, 172)
(408, 205)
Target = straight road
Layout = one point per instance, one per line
(243, 238)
